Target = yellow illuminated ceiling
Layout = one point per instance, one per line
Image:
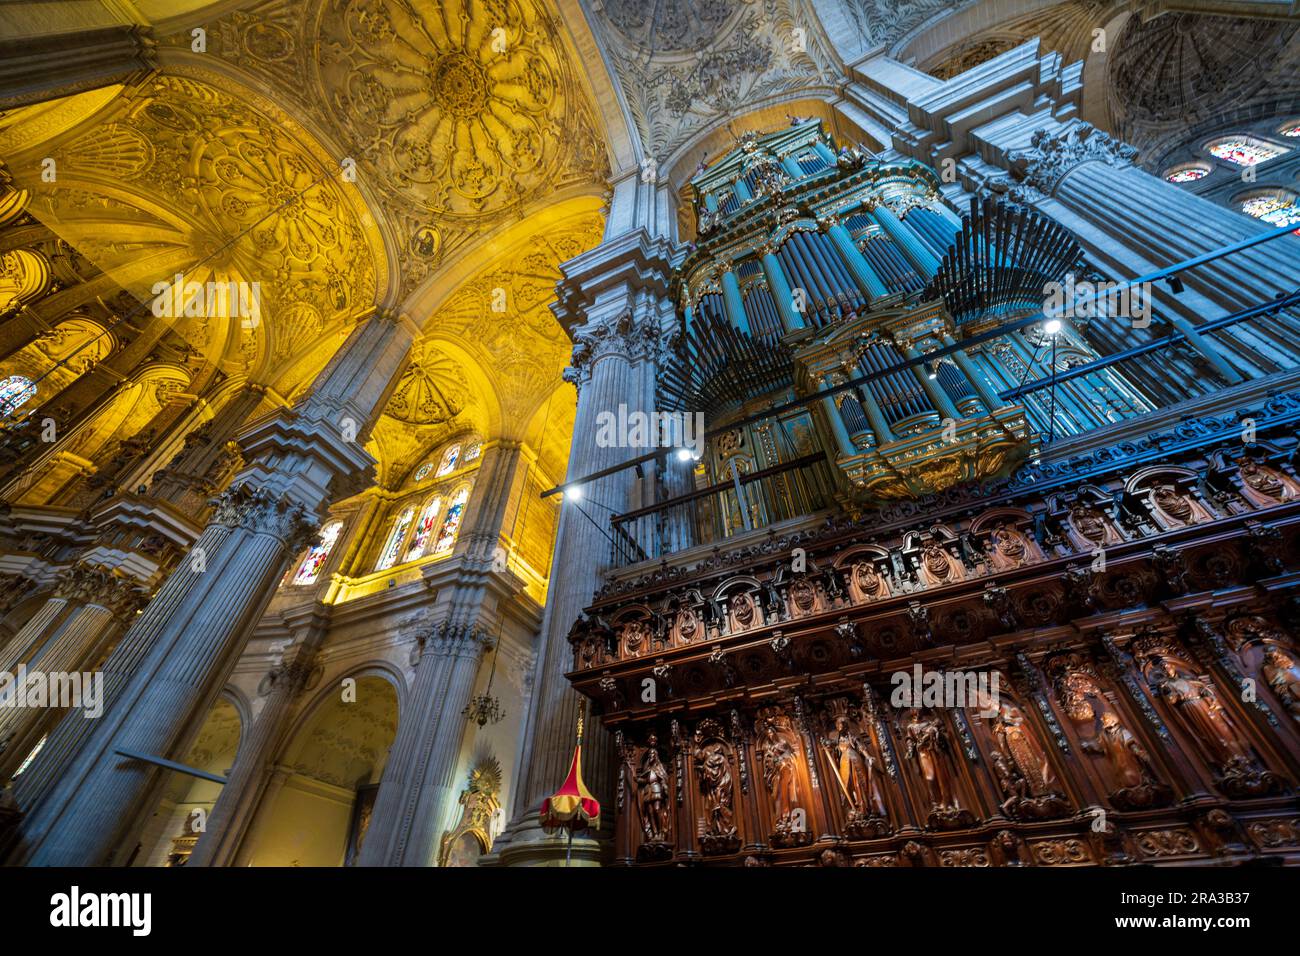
(345, 154)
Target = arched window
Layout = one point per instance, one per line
(424, 528)
(1291, 130)
(14, 392)
(1278, 209)
(316, 557)
(394, 543)
(423, 470)
(472, 452)
(449, 460)
(1243, 150)
(1187, 174)
(451, 523)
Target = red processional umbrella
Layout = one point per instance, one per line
(572, 807)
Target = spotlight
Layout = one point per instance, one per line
(573, 492)
(1052, 326)
(684, 454)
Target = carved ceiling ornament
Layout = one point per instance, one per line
(458, 115)
(686, 66)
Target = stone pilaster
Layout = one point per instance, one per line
(40, 68)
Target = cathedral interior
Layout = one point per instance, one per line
(967, 333)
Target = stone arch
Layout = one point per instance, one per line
(333, 758)
(186, 801)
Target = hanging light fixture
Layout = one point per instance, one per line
(484, 709)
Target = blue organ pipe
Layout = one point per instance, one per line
(779, 284)
(731, 301)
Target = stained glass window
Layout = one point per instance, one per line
(1187, 174)
(423, 470)
(1293, 130)
(389, 556)
(1244, 152)
(472, 452)
(14, 392)
(311, 565)
(1279, 210)
(451, 523)
(449, 459)
(424, 528)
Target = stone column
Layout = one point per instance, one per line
(83, 801)
(617, 295)
(419, 786)
(1138, 223)
(66, 635)
(37, 68)
(417, 780)
(247, 782)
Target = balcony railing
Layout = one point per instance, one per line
(747, 501)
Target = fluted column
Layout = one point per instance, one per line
(1087, 181)
(69, 634)
(419, 785)
(615, 362)
(246, 786)
(417, 781)
(921, 258)
(83, 801)
(867, 281)
(36, 68)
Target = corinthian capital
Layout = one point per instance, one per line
(446, 639)
(257, 509)
(1051, 156)
(628, 336)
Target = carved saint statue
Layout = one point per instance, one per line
(744, 612)
(779, 753)
(925, 745)
(1171, 509)
(1264, 486)
(858, 771)
(1197, 708)
(1283, 676)
(1129, 762)
(1090, 528)
(651, 780)
(713, 769)
(1102, 733)
(938, 566)
(1016, 741)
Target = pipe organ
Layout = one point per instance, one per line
(1110, 637)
